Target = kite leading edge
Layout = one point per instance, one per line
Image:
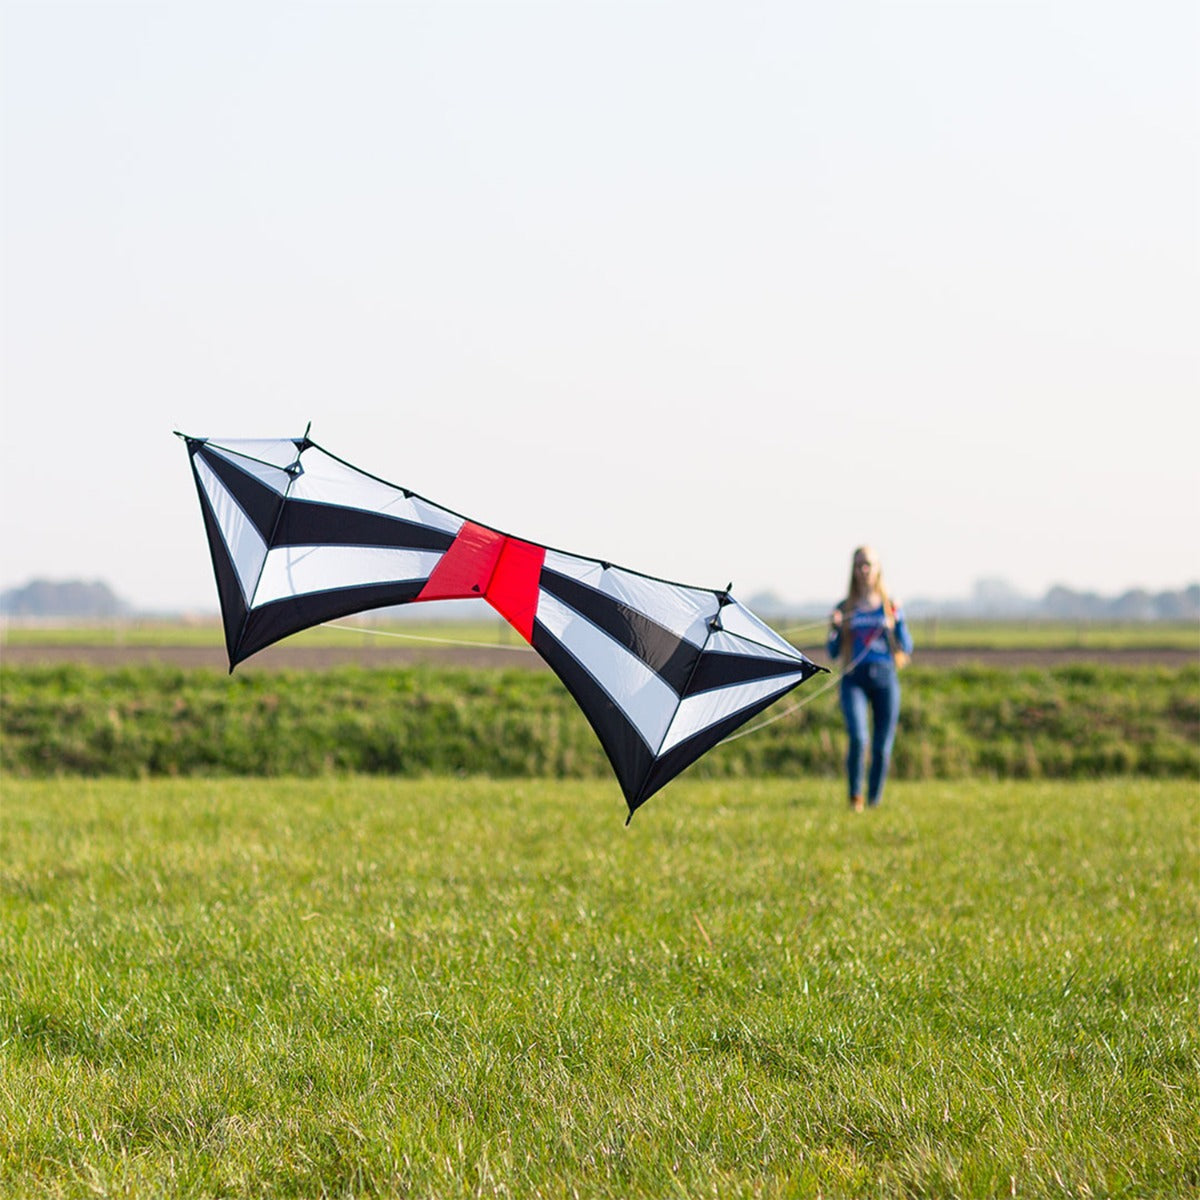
(662, 671)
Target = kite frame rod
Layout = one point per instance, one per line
(603, 562)
(722, 594)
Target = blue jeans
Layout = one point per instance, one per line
(872, 684)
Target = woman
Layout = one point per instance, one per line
(868, 632)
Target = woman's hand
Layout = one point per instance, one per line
(835, 619)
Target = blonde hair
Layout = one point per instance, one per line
(854, 596)
(854, 593)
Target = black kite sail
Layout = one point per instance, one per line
(662, 671)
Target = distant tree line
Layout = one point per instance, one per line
(990, 598)
(994, 599)
(1135, 605)
(72, 598)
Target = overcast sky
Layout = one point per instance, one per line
(714, 291)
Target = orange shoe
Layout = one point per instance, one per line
(857, 804)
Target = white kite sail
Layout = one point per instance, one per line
(661, 670)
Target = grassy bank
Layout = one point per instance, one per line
(972, 722)
(242, 988)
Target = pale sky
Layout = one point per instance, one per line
(713, 291)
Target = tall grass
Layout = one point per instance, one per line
(358, 987)
(1080, 721)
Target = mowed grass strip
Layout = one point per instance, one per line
(442, 988)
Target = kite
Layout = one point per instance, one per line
(662, 671)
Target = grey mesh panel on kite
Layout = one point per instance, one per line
(662, 671)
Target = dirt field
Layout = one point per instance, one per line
(389, 656)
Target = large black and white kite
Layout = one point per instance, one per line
(662, 671)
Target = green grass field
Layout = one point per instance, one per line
(365, 987)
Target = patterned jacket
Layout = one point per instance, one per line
(867, 629)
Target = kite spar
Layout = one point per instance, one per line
(662, 671)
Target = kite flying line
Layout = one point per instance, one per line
(787, 712)
(417, 637)
(790, 629)
(832, 682)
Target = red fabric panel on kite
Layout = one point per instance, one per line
(513, 592)
(465, 570)
(505, 571)
(663, 671)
